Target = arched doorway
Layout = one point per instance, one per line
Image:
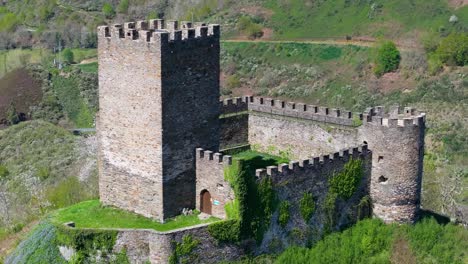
(205, 202)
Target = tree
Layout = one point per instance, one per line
(123, 7)
(12, 116)
(387, 58)
(108, 10)
(453, 50)
(68, 56)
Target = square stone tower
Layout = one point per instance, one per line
(158, 102)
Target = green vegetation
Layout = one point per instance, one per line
(387, 58)
(371, 241)
(345, 183)
(91, 214)
(247, 26)
(183, 252)
(68, 56)
(123, 6)
(453, 50)
(254, 201)
(225, 231)
(89, 67)
(307, 206)
(77, 95)
(284, 215)
(292, 19)
(12, 115)
(108, 10)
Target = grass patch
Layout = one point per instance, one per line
(88, 67)
(17, 58)
(91, 214)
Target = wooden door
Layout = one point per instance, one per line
(205, 205)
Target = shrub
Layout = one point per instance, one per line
(183, 250)
(225, 231)
(123, 7)
(307, 206)
(387, 58)
(108, 10)
(284, 216)
(232, 82)
(12, 116)
(345, 183)
(4, 172)
(68, 56)
(246, 25)
(453, 50)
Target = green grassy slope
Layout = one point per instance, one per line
(297, 19)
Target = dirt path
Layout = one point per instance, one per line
(11, 241)
(361, 43)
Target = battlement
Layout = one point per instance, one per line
(313, 163)
(303, 111)
(234, 105)
(215, 157)
(396, 117)
(159, 31)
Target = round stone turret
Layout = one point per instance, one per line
(397, 143)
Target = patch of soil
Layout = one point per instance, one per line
(458, 3)
(21, 89)
(390, 82)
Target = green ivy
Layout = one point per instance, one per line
(254, 200)
(183, 252)
(225, 231)
(345, 183)
(329, 206)
(307, 206)
(87, 241)
(284, 216)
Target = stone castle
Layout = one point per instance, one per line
(162, 130)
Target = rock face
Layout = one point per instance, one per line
(159, 100)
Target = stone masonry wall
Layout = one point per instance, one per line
(130, 122)
(190, 104)
(210, 177)
(159, 100)
(297, 138)
(397, 143)
(156, 247)
(291, 181)
(234, 131)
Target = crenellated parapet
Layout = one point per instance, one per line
(234, 105)
(316, 163)
(302, 111)
(209, 156)
(160, 32)
(396, 117)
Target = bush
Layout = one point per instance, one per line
(108, 10)
(453, 50)
(12, 115)
(284, 215)
(4, 172)
(246, 25)
(387, 58)
(123, 7)
(225, 231)
(307, 206)
(68, 56)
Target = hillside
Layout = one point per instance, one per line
(42, 167)
(73, 22)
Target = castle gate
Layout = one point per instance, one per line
(205, 202)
